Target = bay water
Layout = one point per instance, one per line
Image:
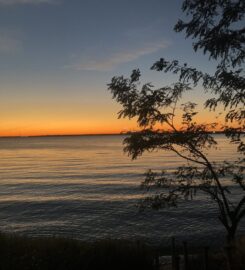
(86, 188)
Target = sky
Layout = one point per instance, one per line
(57, 57)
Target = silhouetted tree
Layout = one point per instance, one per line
(217, 28)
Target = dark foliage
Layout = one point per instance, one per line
(217, 28)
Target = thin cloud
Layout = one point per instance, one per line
(9, 42)
(17, 2)
(114, 60)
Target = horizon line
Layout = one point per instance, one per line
(62, 135)
(77, 135)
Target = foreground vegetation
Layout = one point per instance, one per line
(24, 253)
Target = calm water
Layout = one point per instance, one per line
(86, 188)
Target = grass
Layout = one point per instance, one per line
(23, 253)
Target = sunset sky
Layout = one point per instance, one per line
(57, 57)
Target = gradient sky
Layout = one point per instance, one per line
(57, 57)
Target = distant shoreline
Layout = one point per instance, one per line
(65, 135)
(83, 135)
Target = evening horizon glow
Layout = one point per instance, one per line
(58, 56)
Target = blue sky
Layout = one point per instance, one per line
(58, 55)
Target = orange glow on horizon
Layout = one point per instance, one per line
(92, 128)
(74, 120)
(67, 128)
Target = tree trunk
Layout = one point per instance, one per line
(231, 232)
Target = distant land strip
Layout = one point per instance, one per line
(92, 134)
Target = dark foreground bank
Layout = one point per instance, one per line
(24, 253)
